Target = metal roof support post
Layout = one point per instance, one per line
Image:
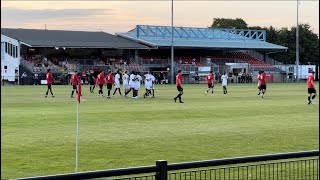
(137, 31)
(297, 43)
(136, 57)
(265, 55)
(172, 55)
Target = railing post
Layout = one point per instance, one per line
(162, 173)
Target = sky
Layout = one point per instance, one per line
(122, 16)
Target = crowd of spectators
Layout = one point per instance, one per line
(245, 78)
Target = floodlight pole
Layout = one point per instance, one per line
(172, 55)
(297, 44)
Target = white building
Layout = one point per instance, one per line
(303, 70)
(10, 58)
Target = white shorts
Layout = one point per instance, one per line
(117, 85)
(126, 86)
(149, 86)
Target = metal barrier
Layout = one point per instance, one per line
(226, 169)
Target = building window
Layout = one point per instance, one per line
(10, 49)
(6, 47)
(13, 50)
(5, 67)
(16, 51)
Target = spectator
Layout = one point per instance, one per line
(36, 79)
(197, 78)
(83, 77)
(23, 76)
(161, 77)
(16, 77)
(164, 79)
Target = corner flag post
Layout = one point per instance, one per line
(77, 130)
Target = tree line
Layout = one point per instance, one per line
(308, 40)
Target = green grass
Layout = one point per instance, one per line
(38, 134)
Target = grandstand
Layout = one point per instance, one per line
(197, 50)
(35, 51)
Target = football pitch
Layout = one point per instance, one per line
(38, 134)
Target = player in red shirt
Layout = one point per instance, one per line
(259, 83)
(262, 83)
(312, 93)
(100, 82)
(49, 79)
(210, 79)
(74, 82)
(109, 81)
(179, 86)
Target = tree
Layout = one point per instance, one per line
(229, 23)
(308, 45)
(308, 41)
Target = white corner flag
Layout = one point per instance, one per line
(77, 131)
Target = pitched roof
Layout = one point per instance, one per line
(71, 39)
(157, 37)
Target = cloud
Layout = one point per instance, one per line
(15, 15)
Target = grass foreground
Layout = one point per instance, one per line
(38, 134)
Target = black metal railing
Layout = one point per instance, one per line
(302, 165)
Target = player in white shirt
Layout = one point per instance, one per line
(117, 83)
(149, 80)
(224, 79)
(145, 80)
(136, 82)
(125, 81)
(131, 84)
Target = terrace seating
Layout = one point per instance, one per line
(232, 57)
(38, 64)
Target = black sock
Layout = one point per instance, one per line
(114, 92)
(47, 92)
(93, 88)
(127, 92)
(109, 92)
(309, 97)
(90, 89)
(313, 96)
(99, 92)
(152, 92)
(180, 97)
(119, 91)
(72, 92)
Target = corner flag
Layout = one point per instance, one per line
(79, 90)
(77, 130)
